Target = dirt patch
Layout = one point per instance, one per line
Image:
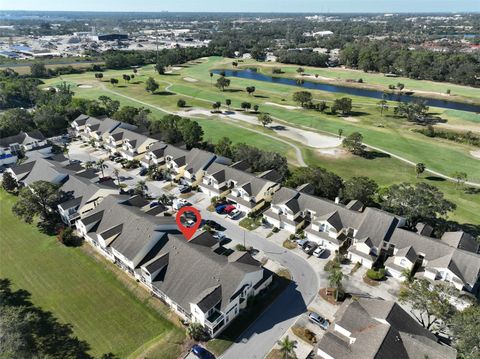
(350, 119)
(332, 152)
(283, 106)
(475, 154)
(190, 79)
(85, 86)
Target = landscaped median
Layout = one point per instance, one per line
(81, 290)
(259, 304)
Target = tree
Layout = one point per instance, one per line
(326, 184)
(126, 78)
(111, 106)
(250, 89)
(466, 326)
(360, 188)
(340, 133)
(246, 106)
(38, 70)
(9, 183)
(353, 143)
(287, 347)
(419, 169)
(181, 103)
(234, 63)
(255, 108)
(264, 119)
(101, 165)
(151, 85)
(141, 188)
(99, 75)
(302, 97)
(14, 121)
(50, 120)
(344, 105)
(383, 104)
(224, 147)
(216, 105)
(335, 280)
(40, 199)
(413, 111)
(460, 177)
(400, 86)
(196, 332)
(300, 70)
(211, 78)
(228, 102)
(160, 67)
(113, 81)
(430, 303)
(191, 131)
(222, 83)
(418, 202)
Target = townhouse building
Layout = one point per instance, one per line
(248, 192)
(195, 278)
(376, 328)
(12, 146)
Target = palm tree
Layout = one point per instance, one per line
(383, 104)
(211, 78)
(287, 347)
(419, 169)
(340, 132)
(141, 188)
(100, 165)
(89, 164)
(335, 280)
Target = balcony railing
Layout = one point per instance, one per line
(214, 318)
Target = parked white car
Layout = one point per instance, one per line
(179, 203)
(234, 214)
(318, 252)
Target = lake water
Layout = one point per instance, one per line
(249, 74)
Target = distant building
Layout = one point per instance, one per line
(111, 37)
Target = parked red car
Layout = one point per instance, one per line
(229, 209)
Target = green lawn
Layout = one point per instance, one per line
(81, 291)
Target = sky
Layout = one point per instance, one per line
(247, 5)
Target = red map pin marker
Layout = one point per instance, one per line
(188, 232)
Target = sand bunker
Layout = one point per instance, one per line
(85, 86)
(475, 154)
(190, 79)
(283, 106)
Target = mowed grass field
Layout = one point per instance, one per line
(80, 291)
(386, 132)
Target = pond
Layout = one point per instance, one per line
(253, 75)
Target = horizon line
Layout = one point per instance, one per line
(256, 12)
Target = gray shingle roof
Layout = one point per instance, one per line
(461, 240)
(464, 264)
(382, 330)
(23, 138)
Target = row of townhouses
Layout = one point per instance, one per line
(368, 235)
(13, 146)
(199, 279)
